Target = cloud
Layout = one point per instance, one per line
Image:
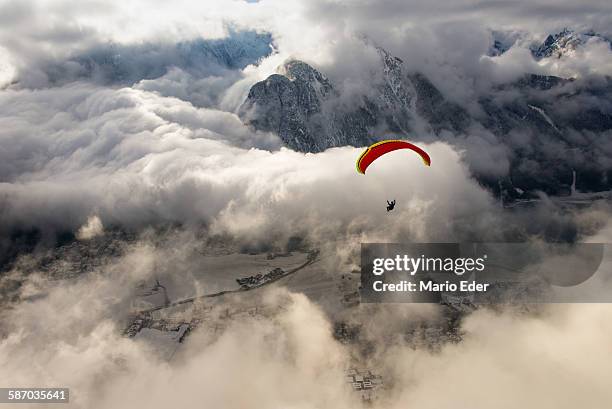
(594, 58)
(504, 352)
(92, 228)
(136, 158)
(444, 39)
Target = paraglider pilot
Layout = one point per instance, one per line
(390, 205)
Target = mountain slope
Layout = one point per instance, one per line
(302, 107)
(563, 43)
(127, 64)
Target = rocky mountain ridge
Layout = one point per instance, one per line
(564, 42)
(301, 107)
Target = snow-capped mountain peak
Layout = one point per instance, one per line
(564, 43)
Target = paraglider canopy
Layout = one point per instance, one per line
(380, 148)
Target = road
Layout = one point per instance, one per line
(313, 257)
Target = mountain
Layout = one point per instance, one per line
(127, 64)
(291, 105)
(563, 43)
(302, 106)
(555, 45)
(237, 50)
(557, 115)
(503, 41)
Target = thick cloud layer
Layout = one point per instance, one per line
(134, 158)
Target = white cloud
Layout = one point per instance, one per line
(92, 228)
(7, 70)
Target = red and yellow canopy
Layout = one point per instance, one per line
(380, 148)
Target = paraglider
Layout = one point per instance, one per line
(381, 148)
